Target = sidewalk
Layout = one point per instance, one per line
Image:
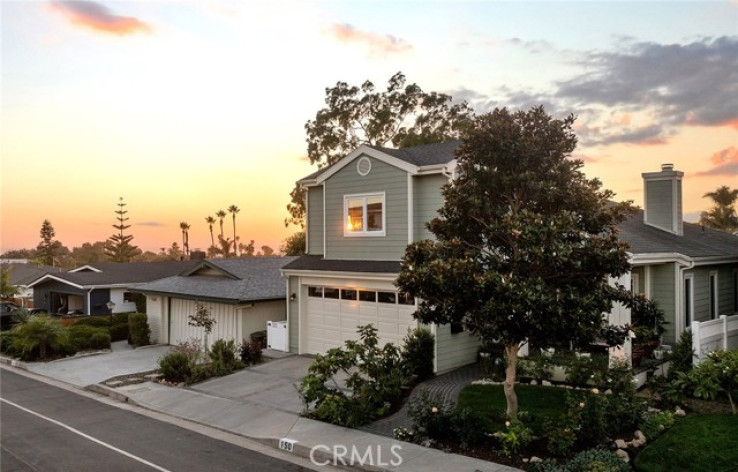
(268, 425)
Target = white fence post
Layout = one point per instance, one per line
(724, 319)
(696, 348)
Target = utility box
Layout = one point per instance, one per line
(277, 335)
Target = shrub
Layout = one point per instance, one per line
(7, 338)
(119, 332)
(469, 427)
(175, 367)
(431, 419)
(538, 367)
(96, 321)
(514, 438)
(251, 352)
(138, 327)
(119, 318)
(598, 460)
(682, 355)
(560, 436)
(417, 353)
(655, 424)
(40, 337)
(624, 409)
(584, 371)
(718, 374)
(84, 337)
(223, 356)
(192, 348)
(375, 377)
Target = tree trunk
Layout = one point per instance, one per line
(511, 355)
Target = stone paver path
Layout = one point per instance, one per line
(446, 387)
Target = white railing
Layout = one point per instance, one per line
(715, 335)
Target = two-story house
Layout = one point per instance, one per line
(365, 209)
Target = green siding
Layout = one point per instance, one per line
(454, 350)
(659, 203)
(662, 291)
(427, 200)
(347, 181)
(315, 220)
(293, 320)
(702, 290)
(726, 289)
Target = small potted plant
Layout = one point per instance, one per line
(648, 326)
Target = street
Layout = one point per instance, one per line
(45, 428)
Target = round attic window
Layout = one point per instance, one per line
(364, 166)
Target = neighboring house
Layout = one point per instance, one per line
(22, 275)
(89, 289)
(690, 270)
(365, 209)
(241, 294)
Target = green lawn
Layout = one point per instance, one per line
(539, 401)
(700, 442)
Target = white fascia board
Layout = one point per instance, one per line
(365, 150)
(58, 279)
(85, 267)
(383, 276)
(659, 258)
(711, 260)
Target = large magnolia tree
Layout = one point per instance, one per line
(525, 242)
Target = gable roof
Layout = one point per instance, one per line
(411, 159)
(107, 274)
(24, 274)
(697, 241)
(256, 278)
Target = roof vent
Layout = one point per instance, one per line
(364, 166)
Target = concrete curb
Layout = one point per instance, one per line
(13, 362)
(112, 393)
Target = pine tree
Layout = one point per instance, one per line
(118, 247)
(48, 247)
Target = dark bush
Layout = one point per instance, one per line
(202, 372)
(224, 358)
(85, 337)
(96, 321)
(119, 318)
(138, 328)
(6, 343)
(119, 332)
(597, 459)
(251, 352)
(682, 356)
(417, 353)
(175, 367)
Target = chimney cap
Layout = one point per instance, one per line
(667, 166)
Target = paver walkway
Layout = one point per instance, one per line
(446, 387)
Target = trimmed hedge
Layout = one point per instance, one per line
(96, 321)
(138, 327)
(119, 318)
(119, 332)
(85, 337)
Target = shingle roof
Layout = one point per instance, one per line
(311, 262)
(423, 155)
(696, 242)
(122, 273)
(258, 279)
(24, 274)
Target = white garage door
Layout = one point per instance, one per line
(333, 314)
(227, 324)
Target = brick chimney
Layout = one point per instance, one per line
(662, 199)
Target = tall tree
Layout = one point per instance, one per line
(402, 116)
(185, 227)
(7, 289)
(722, 216)
(221, 214)
(89, 252)
(267, 251)
(294, 245)
(48, 247)
(247, 250)
(118, 247)
(233, 209)
(526, 243)
(210, 221)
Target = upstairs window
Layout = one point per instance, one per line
(364, 215)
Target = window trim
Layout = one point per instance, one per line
(688, 299)
(713, 294)
(364, 233)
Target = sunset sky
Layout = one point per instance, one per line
(186, 107)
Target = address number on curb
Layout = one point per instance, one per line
(286, 444)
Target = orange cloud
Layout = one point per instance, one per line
(98, 17)
(386, 44)
(725, 163)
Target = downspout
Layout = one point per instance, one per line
(89, 302)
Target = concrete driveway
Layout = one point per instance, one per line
(88, 370)
(273, 384)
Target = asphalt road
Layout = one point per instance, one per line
(45, 428)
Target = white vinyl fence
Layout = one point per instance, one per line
(715, 335)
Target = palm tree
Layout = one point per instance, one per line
(40, 332)
(723, 215)
(233, 209)
(220, 214)
(185, 227)
(210, 221)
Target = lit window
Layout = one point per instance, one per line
(364, 215)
